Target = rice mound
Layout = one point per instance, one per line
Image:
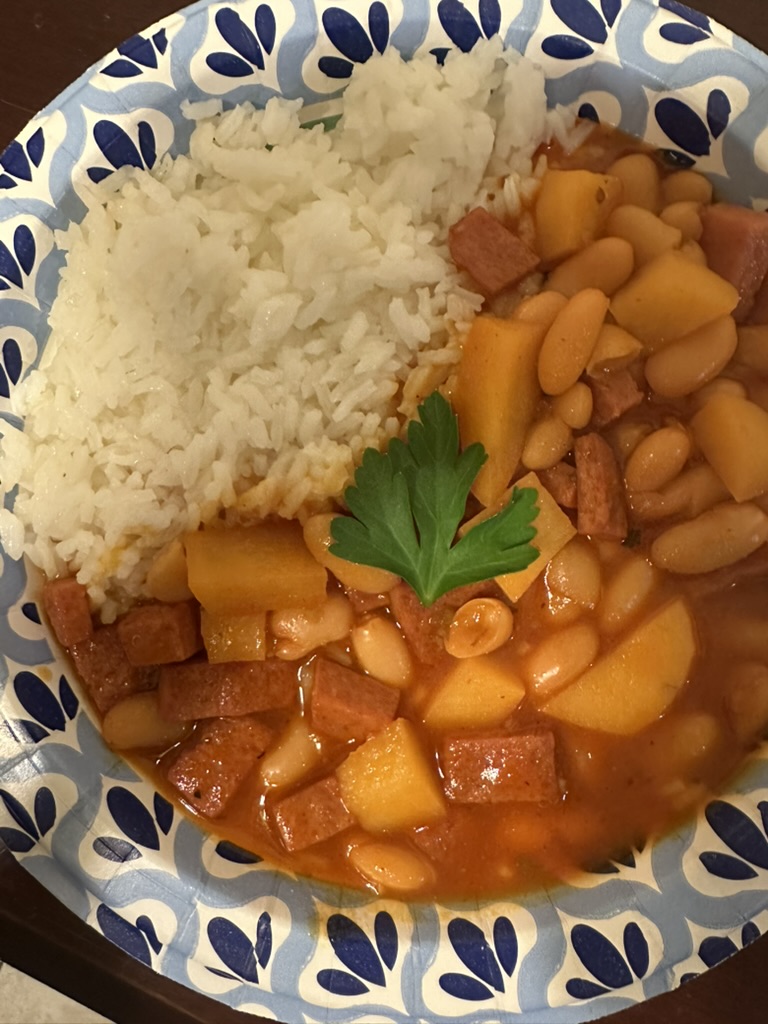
(232, 329)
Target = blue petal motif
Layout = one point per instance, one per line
(490, 17)
(16, 841)
(163, 813)
(123, 934)
(722, 865)
(97, 174)
(35, 697)
(266, 27)
(610, 10)
(36, 147)
(140, 50)
(7, 182)
(347, 34)
(718, 112)
(116, 145)
(636, 949)
(682, 11)
(463, 987)
(600, 956)
(69, 701)
(738, 832)
(582, 18)
(147, 143)
(146, 925)
(132, 817)
(505, 943)
(45, 810)
(29, 732)
(355, 950)
(235, 32)
(566, 47)
(5, 386)
(160, 39)
(120, 851)
(12, 359)
(9, 268)
(378, 25)
(340, 983)
(715, 949)
(14, 160)
(440, 53)
(472, 949)
(749, 933)
(335, 67)
(264, 939)
(25, 248)
(30, 611)
(121, 69)
(674, 158)
(581, 989)
(234, 948)
(228, 64)
(385, 933)
(684, 35)
(683, 125)
(460, 27)
(236, 854)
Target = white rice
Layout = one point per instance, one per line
(233, 329)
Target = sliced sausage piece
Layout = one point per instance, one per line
(107, 674)
(160, 634)
(196, 689)
(494, 256)
(66, 604)
(347, 705)
(560, 481)
(497, 769)
(315, 813)
(216, 760)
(735, 241)
(614, 392)
(425, 628)
(602, 510)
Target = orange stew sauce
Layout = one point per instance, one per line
(631, 676)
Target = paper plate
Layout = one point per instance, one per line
(80, 820)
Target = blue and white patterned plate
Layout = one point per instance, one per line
(95, 834)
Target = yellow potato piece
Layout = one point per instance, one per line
(496, 396)
(236, 570)
(571, 210)
(234, 637)
(553, 531)
(389, 783)
(670, 297)
(632, 685)
(732, 432)
(476, 693)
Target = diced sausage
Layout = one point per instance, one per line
(159, 633)
(66, 604)
(602, 510)
(425, 628)
(347, 705)
(220, 754)
(614, 392)
(315, 813)
(759, 312)
(735, 241)
(496, 769)
(494, 256)
(105, 671)
(197, 689)
(560, 481)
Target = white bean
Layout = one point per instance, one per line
(479, 626)
(135, 722)
(546, 444)
(293, 756)
(574, 574)
(391, 868)
(381, 651)
(719, 537)
(657, 459)
(686, 365)
(561, 658)
(626, 593)
(301, 630)
(574, 406)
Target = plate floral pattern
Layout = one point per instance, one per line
(203, 912)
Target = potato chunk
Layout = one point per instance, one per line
(732, 432)
(388, 782)
(496, 396)
(234, 637)
(571, 210)
(476, 693)
(253, 569)
(636, 682)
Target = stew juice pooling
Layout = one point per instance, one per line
(521, 728)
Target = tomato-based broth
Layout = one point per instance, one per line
(522, 728)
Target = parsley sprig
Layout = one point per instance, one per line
(407, 504)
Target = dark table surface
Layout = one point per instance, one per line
(45, 45)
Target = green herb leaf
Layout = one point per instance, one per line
(407, 504)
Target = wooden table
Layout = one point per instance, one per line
(45, 45)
